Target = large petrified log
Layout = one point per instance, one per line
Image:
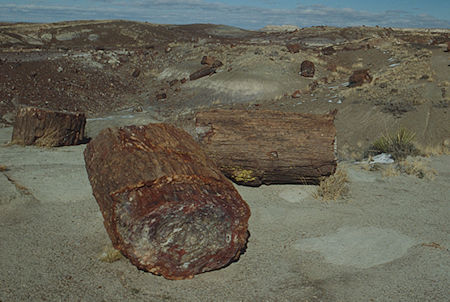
(269, 147)
(42, 127)
(166, 206)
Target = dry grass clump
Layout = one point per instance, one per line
(434, 150)
(410, 166)
(400, 145)
(333, 187)
(110, 255)
(416, 167)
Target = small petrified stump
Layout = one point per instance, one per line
(269, 147)
(307, 69)
(359, 77)
(48, 128)
(165, 204)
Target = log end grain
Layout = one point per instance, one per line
(180, 226)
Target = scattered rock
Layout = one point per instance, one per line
(296, 94)
(359, 77)
(293, 48)
(136, 73)
(60, 69)
(161, 96)
(173, 82)
(207, 60)
(332, 67)
(327, 51)
(211, 61)
(313, 85)
(307, 69)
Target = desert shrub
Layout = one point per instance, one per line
(400, 145)
(334, 186)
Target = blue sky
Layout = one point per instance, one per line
(250, 14)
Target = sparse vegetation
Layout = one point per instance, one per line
(334, 186)
(410, 166)
(400, 145)
(3, 168)
(110, 255)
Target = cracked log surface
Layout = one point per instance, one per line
(269, 147)
(48, 128)
(166, 206)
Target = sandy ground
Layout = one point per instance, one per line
(388, 241)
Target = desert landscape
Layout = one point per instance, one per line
(385, 238)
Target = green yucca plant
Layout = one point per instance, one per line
(400, 144)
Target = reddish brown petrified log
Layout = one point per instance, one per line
(268, 147)
(203, 72)
(165, 204)
(42, 127)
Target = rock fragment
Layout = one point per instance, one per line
(307, 69)
(359, 77)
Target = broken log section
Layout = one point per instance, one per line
(48, 128)
(166, 206)
(269, 147)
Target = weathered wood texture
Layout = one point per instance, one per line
(166, 206)
(269, 147)
(41, 127)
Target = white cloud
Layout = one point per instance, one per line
(199, 11)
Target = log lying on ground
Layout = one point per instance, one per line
(269, 147)
(47, 128)
(166, 206)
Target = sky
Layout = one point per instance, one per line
(250, 14)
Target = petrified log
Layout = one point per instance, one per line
(269, 147)
(203, 72)
(166, 206)
(42, 127)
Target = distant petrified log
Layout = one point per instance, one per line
(166, 206)
(203, 72)
(307, 69)
(269, 147)
(42, 127)
(359, 77)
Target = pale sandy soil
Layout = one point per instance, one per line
(388, 241)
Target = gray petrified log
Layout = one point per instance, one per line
(269, 147)
(166, 206)
(43, 127)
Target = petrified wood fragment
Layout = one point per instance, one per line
(203, 72)
(359, 77)
(269, 147)
(166, 206)
(307, 69)
(42, 127)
